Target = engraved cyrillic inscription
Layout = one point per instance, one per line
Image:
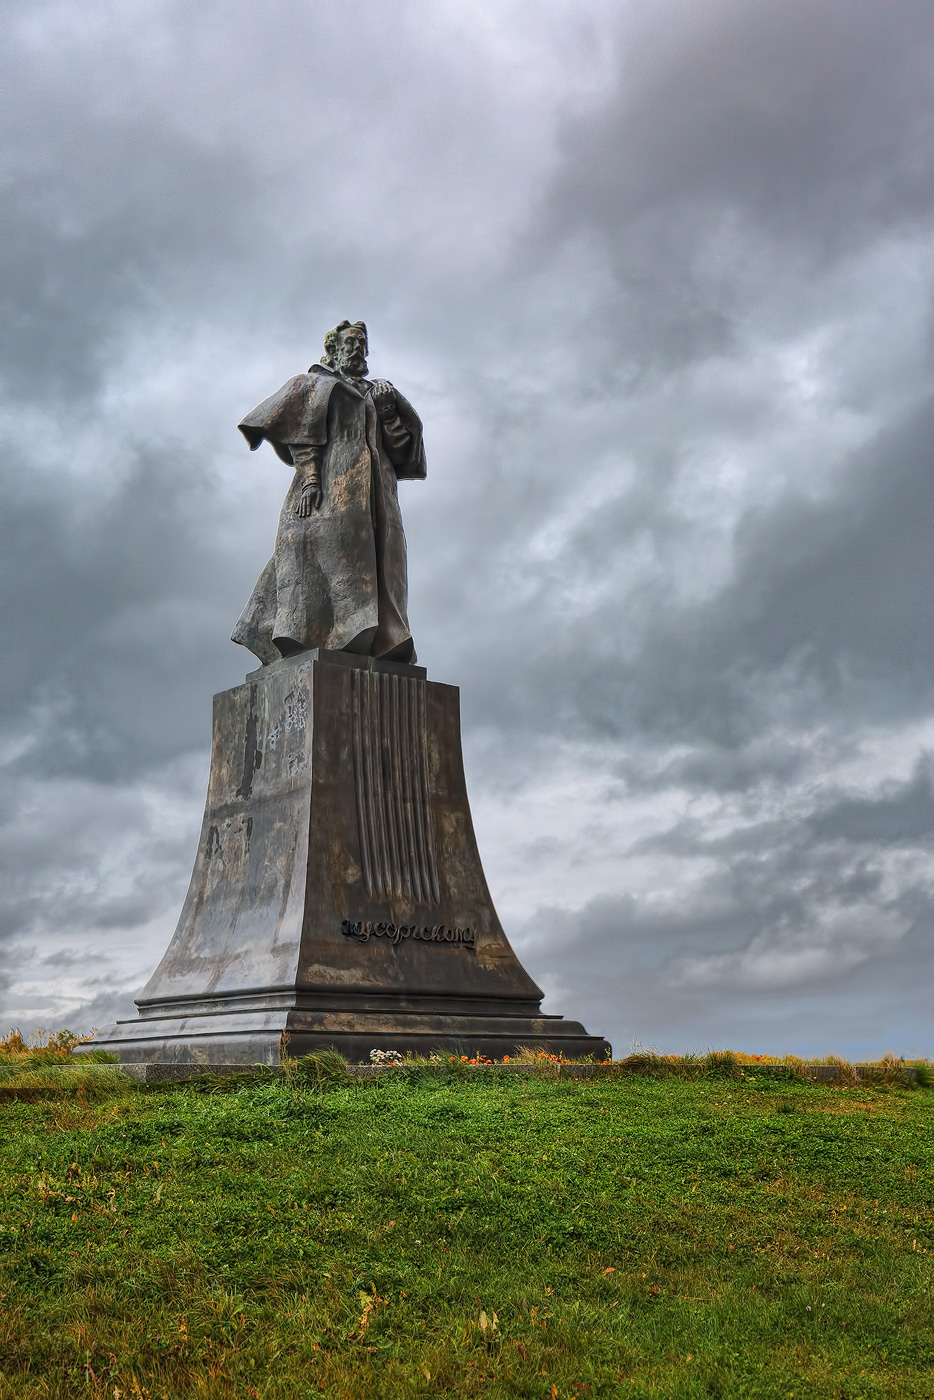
(390, 758)
(296, 711)
(363, 930)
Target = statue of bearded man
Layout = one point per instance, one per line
(338, 575)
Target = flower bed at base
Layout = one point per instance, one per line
(44, 1051)
(728, 1064)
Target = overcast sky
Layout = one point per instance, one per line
(658, 278)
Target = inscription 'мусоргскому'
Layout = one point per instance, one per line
(363, 931)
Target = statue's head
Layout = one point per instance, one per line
(345, 348)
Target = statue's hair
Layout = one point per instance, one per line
(330, 341)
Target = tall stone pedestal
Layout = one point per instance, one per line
(337, 897)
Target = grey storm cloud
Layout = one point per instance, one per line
(831, 599)
(813, 121)
(658, 280)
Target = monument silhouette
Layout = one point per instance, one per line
(337, 897)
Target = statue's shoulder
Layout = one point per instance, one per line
(288, 399)
(289, 414)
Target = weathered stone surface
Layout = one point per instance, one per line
(338, 896)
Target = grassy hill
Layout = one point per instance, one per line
(442, 1231)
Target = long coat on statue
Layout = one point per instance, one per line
(338, 576)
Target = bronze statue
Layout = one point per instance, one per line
(337, 578)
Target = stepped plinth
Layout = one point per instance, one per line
(337, 897)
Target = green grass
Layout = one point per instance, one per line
(436, 1234)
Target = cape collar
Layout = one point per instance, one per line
(361, 385)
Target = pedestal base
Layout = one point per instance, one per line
(262, 1039)
(337, 897)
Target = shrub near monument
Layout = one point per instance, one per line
(442, 1230)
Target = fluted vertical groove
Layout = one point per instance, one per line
(418, 771)
(360, 781)
(374, 763)
(392, 764)
(390, 767)
(401, 706)
(384, 710)
(421, 744)
(408, 804)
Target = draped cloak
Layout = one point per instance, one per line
(337, 578)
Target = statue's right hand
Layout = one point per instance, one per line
(383, 395)
(310, 499)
